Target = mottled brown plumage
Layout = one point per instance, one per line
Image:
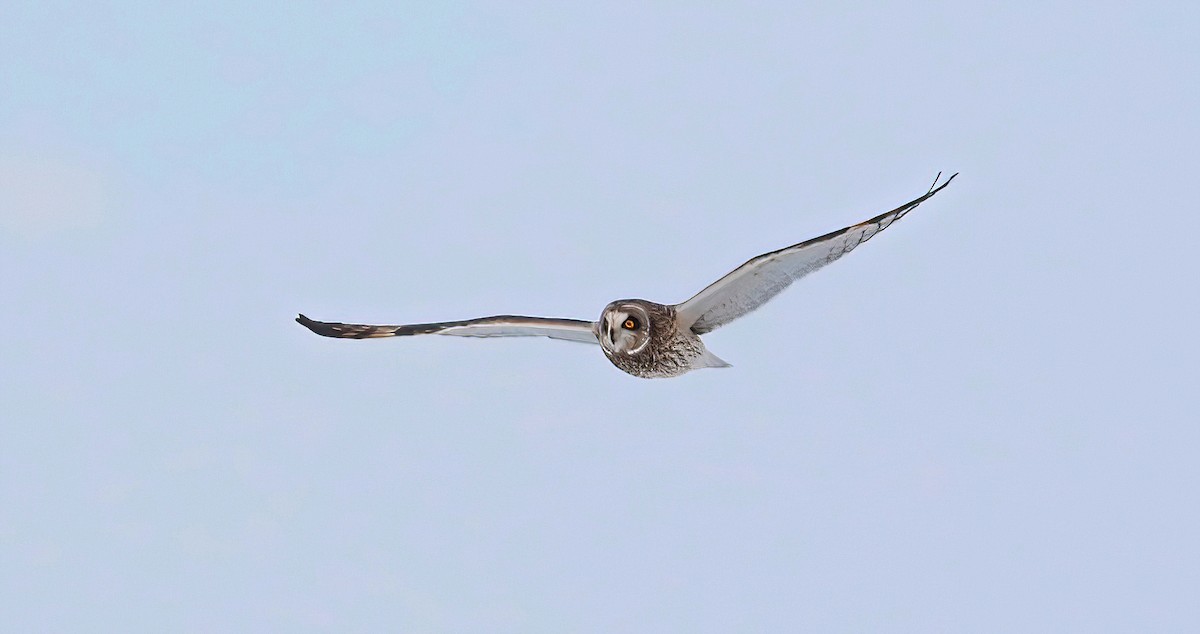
(656, 347)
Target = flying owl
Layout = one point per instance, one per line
(652, 340)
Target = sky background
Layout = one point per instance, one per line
(985, 420)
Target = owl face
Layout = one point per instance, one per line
(625, 328)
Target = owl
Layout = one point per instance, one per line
(652, 340)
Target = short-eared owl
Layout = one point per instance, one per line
(648, 339)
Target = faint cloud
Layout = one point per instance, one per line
(40, 195)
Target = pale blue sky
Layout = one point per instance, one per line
(984, 420)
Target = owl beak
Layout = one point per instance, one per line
(615, 343)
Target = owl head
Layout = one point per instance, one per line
(626, 326)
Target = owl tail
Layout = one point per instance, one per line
(709, 360)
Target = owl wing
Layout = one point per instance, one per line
(498, 326)
(758, 280)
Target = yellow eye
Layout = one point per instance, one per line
(630, 324)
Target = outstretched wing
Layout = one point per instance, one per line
(498, 326)
(758, 280)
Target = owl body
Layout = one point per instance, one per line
(646, 340)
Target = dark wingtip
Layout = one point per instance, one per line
(937, 187)
(306, 322)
